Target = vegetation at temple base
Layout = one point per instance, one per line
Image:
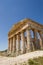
(35, 61)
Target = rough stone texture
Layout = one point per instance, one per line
(19, 29)
(23, 42)
(22, 23)
(18, 44)
(14, 44)
(28, 40)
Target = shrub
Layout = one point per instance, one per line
(32, 62)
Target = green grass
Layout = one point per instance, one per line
(36, 61)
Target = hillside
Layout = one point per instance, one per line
(3, 53)
(20, 59)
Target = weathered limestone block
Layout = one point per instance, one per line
(8, 45)
(23, 42)
(27, 42)
(41, 40)
(11, 45)
(35, 39)
(14, 44)
(28, 39)
(18, 44)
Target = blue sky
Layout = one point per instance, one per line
(12, 11)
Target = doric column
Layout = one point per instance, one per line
(11, 44)
(28, 39)
(23, 42)
(18, 44)
(35, 34)
(14, 44)
(8, 45)
(35, 39)
(41, 39)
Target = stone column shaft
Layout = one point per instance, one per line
(28, 39)
(41, 40)
(8, 45)
(14, 44)
(35, 39)
(18, 44)
(35, 35)
(11, 44)
(23, 42)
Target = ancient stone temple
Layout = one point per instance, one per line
(25, 36)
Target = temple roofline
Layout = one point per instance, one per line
(17, 25)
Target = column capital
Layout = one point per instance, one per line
(14, 36)
(28, 28)
(22, 31)
(35, 30)
(18, 36)
(40, 32)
